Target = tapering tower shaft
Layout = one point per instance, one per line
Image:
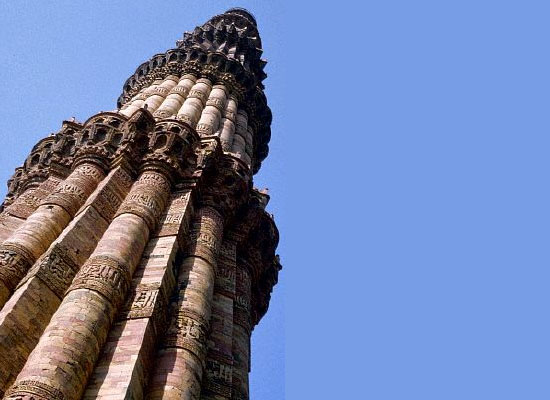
(135, 253)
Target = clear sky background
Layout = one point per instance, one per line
(408, 170)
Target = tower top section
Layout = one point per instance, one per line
(226, 51)
(233, 33)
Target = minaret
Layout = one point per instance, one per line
(135, 254)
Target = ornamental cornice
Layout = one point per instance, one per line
(224, 181)
(171, 149)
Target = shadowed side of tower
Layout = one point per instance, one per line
(135, 254)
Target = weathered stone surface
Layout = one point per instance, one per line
(52, 274)
(31, 239)
(219, 360)
(95, 294)
(16, 213)
(119, 373)
(120, 288)
(189, 325)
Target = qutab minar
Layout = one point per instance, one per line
(136, 256)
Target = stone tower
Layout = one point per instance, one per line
(136, 257)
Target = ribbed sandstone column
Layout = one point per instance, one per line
(138, 100)
(238, 146)
(126, 361)
(67, 351)
(16, 213)
(219, 360)
(182, 355)
(159, 93)
(39, 294)
(19, 252)
(241, 332)
(190, 111)
(227, 126)
(249, 147)
(212, 113)
(176, 97)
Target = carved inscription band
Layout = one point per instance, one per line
(206, 234)
(15, 261)
(55, 269)
(147, 198)
(188, 331)
(104, 275)
(73, 192)
(33, 390)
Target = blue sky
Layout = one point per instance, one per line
(408, 172)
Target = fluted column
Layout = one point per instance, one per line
(249, 145)
(59, 366)
(126, 361)
(190, 111)
(138, 100)
(241, 331)
(181, 358)
(24, 205)
(238, 146)
(212, 113)
(227, 126)
(41, 291)
(176, 97)
(19, 252)
(217, 383)
(159, 93)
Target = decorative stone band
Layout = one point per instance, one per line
(242, 303)
(146, 301)
(236, 393)
(141, 301)
(147, 198)
(212, 113)
(206, 234)
(176, 221)
(200, 90)
(160, 90)
(105, 275)
(33, 390)
(72, 193)
(109, 199)
(241, 317)
(191, 109)
(227, 126)
(225, 279)
(141, 96)
(24, 204)
(217, 388)
(217, 97)
(188, 331)
(15, 261)
(182, 90)
(55, 269)
(29, 201)
(176, 97)
(219, 374)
